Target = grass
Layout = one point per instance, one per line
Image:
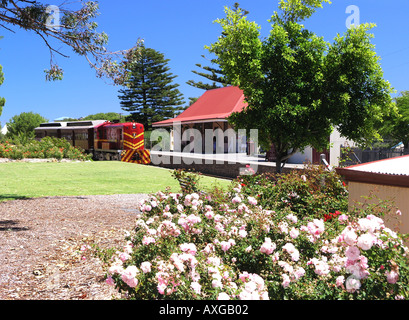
(19, 180)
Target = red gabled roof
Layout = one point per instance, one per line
(212, 105)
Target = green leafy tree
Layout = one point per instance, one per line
(2, 100)
(109, 116)
(23, 125)
(396, 128)
(72, 26)
(298, 86)
(150, 94)
(213, 74)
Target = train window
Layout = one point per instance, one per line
(40, 134)
(79, 124)
(81, 136)
(66, 135)
(45, 125)
(52, 133)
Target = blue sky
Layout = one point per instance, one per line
(180, 29)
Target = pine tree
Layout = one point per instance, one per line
(215, 75)
(150, 94)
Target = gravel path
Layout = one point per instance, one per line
(40, 241)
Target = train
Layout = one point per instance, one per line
(105, 140)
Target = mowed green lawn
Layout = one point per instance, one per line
(20, 180)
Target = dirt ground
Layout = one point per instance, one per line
(41, 240)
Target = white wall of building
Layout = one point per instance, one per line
(336, 141)
(302, 156)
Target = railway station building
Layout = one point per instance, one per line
(211, 111)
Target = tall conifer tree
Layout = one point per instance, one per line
(150, 94)
(214, 74)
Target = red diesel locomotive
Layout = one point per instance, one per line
(105, 140)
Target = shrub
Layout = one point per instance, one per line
(5, 149)
(313, 192)
(48, 147)
(188, 180)
(54, 153)
(196, 246)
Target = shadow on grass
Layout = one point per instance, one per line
(11, 225)
(10, 197)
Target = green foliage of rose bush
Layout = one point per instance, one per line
(48, 147)
(188, 180)
(228, 246)
(311, 192)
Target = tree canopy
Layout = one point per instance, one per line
(24, 124)
(300, 87)
(75, 28)
(2, 100)
(150, 94)
(109, 116)
(396, 127)
(213, 74)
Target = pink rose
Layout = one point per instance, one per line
(148, 240)
(236, 199)
(352, 253)
(366, 241)
(286, 280)
(392, 276)
(110, 281)
(223, 296)
(352, 284)
(189, 248)
(342, 218)
(209, 215)
(146, 267)
(196, 287)
(129, 276)
(243, 233)
(268, 247)
(340, 281)
(349, 236)
(289, 247)
(294, 233)
(161, 288)
(252, 201)
(292, 218)
(124, 256)
(300, 272)
(225, 245)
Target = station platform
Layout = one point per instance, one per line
(228, 165)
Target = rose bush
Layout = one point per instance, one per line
(212, 246)
(313, 191)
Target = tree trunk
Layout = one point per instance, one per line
(282, 157)
(278, 166)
